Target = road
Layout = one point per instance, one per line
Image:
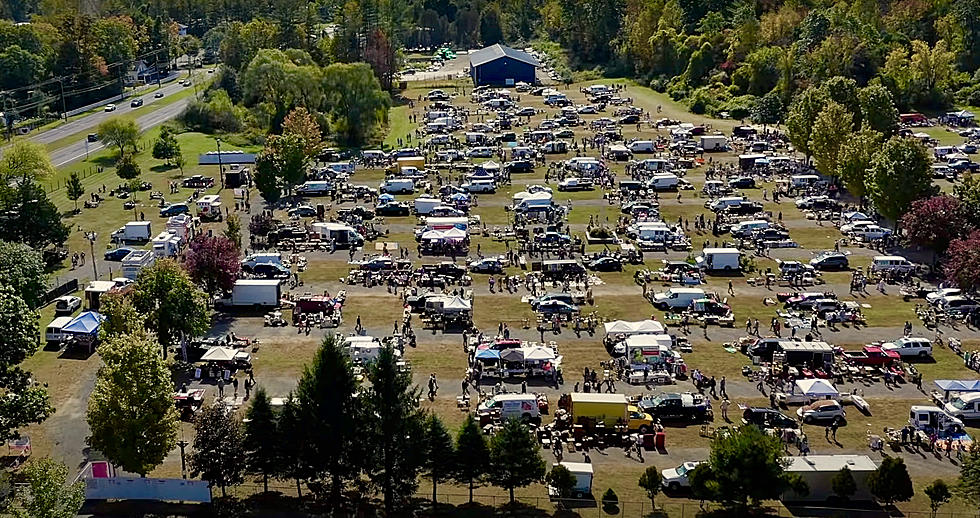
(82, 147)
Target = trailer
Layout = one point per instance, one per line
(209, 207)
(256, 293)
(818, 471)
(719, 259)
(714, 142)
(133, 263)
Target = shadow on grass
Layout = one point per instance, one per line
(161, 168)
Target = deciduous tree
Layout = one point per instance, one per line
(30, 217)
(172, 304)
(803, 113)
(899, 174)
(121, 317)
(358, 104)
(854, 160)
(127, 168)
(514, 457)
(166, 147)
(25, 401)
(934, 222)
(131, 411)
(120, 133)
(878, 111)
(219, 447)
(22, 270)
(280, 166)
(212, 262)
(650, 481)
(843, 484)
(938, 493)
(25, 161)
(963, 261)
(561, 480)
(74, 188)
(49, 494)
(831, 129)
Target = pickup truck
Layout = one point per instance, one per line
(684, 407)
(871, 355)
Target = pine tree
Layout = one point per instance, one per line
(292, 445)
(440, 454)
(219, 448)
(514, 458)
(472, 455)
(261, 438)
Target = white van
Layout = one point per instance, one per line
(677, 298)
(746, 228)
(803, 180)
(964, 406)
(719, 259)
(891, 263)
(425, 204)
(663, 182)
(654, 164)
(479, 186)
(315, 188)
(641, 146)
(398, 186)
(53, 333)
(343, 236)
(720, 204)
(513, 406)
(263, 257)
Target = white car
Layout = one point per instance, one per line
(938, 295)
(915, 346)
(676, 478)
(872, 232)
(824, 410)
(857, 225)
(110, 107)
(587, 109)
(67, 305)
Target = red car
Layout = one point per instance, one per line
(872, 355)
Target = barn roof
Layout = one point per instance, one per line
(497, 51)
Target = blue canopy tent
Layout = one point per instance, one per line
(488, 354)
(85, 327)
(386, 198)
(948, 386)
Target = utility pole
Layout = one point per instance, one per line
(221, 170)
(183, 460)
(64, 111)
(91, 236)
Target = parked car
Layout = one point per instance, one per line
(117, 254)
(910, 346)
(767, 418)
(174, 209)
(606, 264)
(937, 296)
(66, 305)
(198, 181)
(830, 261)
(673, 479)
(271, 271)
(303, 211)
(376, 264)
(393, 208)
(824, 410)
(685, 407)
(488, 265)
(742, 182)
(556, 307)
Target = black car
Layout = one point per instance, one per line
(450, 270)
(686, 407)
(744, 208)
(743, 182)
(270, 271)
(767, 418)
(520, 166)
(770, 234)
(303, 211)
(392, 209)
(629, 119)
(830, 262)
(174, 209)
(117, 254)
(198, 181)
(606, 264)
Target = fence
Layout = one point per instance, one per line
(70, 286)
(60, 183)
(453, 503)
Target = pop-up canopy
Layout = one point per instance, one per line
(816, 388)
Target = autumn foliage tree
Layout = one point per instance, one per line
(300, 123)
(212, 262)
(934, 222)
(963, 261)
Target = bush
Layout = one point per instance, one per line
(218, 113)
(601, 232)
(610, 502)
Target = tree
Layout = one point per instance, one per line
(330, 421)
(300, 123)
(514, 458)
(381, 53)
(22, 270)
(934, 222)
(180, 162)
(262, 435)
(938, 493)
(24, 402)
(844, 91)
(173, 306)
(440, 454)
(30, 216)
(899, 174)
(49, 495)
(121, 318)
(968, 483)
(25, 161)
(843, 484)
(747, 450)
(358, 104)
(768, 109)
(650, 481)
(831, 129)
(802, 115)
(280, 166)
(166, 147)
(212, 262)
(293, 446)
(561, 480)
(472, 455)
(131, 411)
(120, 133)
(127, 168)
(963, 261)
(219, 454)
(854, 159)
(968, 192)
(233, 230)
(74, 189)
(396, 427)
(878, 111)
(891, 482)
(490, 30)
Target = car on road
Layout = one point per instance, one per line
(198, 181)
(824, 410)
(92, 137)
(676, 478)
(606, 264)
(66, 305)
(830, 261)
(174, 209)
(185, 82)
(110, 107)
(303, 211)
(117, 254)
(487, 265)
(158, 95)
(136, 103)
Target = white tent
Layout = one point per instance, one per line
(640, 327)
(457, 304)
(219, 354)
(454, 233)
(538, 353)
(817, 388)
(429, 235)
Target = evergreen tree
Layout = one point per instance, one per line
(219, 447)
(292, 448)
(396, 430)
(472, 455)
(968, 484)
(514, 458)
(262, 438)
(74, 189)
(843, 484)
(891, 483)
(440, 454)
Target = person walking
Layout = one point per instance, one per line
(721, 388)
(221, 387)
(724, 409)
(433, 386)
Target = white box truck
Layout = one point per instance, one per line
(714, 142)
(425, 204)
(253, 293)
(132, 231)
(719, 259)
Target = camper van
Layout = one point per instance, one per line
(719, 259)
(641, 146)
(677, 298)
(964, 406)
(343, 236)
(53, 333)
(802, 181)
(891, 263)
(209, 207)
(480, 186)
(745, 229)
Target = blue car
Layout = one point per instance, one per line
(174, 209)
(117, 254)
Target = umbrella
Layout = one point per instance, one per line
(219, 354)
(512, 355)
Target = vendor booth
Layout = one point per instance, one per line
(84, 329)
